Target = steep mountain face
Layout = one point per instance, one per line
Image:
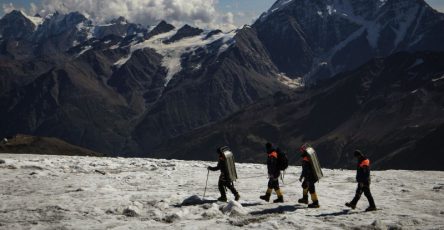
(320, 38)
(122, 88)
(126, 89)
(211, 86)
(24, 144)
(16, 25)
(391, 108)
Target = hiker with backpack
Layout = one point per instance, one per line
(224, 179)
(308, 178)
(363, 179)
(274, 165)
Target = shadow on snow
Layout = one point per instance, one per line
(280, 209)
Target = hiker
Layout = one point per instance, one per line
(273, 175)
(308, 179)
(363, 179)
(224, 180)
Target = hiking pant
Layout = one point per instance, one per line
(273, 183)
(223, 184)
(310, 185)
(364, 188)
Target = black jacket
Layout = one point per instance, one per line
(272, 166)
(222, 167)
(363, 171)
(307, 171)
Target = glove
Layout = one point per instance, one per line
(300, 179)
(361, 185)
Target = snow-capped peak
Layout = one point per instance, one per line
(275, 7)
(172, 51)
(35, 20)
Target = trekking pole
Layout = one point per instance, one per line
(282, 177)
(206, 183)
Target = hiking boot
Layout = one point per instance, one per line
(370, 208)
(303, 200)
(223, 199)
(265, 197)
(315, 204)
(351, 205)
(237, 197)
(280, 199)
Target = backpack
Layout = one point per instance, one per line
(282, 160)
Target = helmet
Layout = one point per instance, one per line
(304, 147)
(219, 150)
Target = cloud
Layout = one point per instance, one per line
(147, 12)
(228, 18)
(8, 8)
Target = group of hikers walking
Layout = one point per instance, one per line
(311, 173)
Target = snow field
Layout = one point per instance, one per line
(60, 192)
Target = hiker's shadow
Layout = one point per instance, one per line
(200, 202)
(340, 213)
(280, 209)
(251, 204)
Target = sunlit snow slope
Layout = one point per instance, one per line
(58, 192)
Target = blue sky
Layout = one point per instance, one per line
(241, 11)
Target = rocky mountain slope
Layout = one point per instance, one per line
(129, 89)
(320, 38)
(24, 144)
(121, 87)
(391, 108)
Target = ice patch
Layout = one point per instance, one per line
(405, 23)
(122, 61)
(175, 216)
(132, 210)
(172, 52)
(291, 83)
(234, 208)
(75, 43)
(212, 211)
(37, 21)
(438, 79)
(85, 49)
(330, 9)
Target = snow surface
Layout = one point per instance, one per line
(61, 192)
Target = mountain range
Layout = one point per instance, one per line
(333, 66)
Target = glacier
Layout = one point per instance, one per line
(62, 192)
